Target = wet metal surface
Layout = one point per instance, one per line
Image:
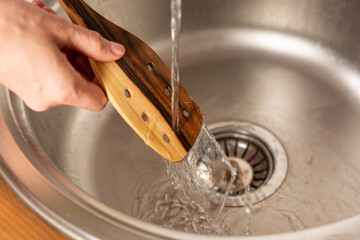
(292, 67)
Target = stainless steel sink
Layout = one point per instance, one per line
(291, 68)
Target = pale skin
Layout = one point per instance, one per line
(44, 59)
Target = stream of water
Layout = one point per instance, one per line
(194, 199)
(175, 40)
(190, 200)
(201, 173)
(248, 211)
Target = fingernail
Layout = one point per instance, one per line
(117, 48)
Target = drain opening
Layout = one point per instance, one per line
(250, 157)
(258, 156)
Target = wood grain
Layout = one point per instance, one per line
(141, 72)
(18, 222)
(155, 125)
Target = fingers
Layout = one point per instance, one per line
(82, 65)
(49, 10)
(38, 3)
(91, 96)
(70, 89)
(90, 43)
(39, 106)
(84, 41)
(73, 88)
(84, 94)
(73, 71)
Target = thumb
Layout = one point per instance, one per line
(90, 44)
(83, 94)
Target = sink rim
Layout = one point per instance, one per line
(26, 169)
(13, 178)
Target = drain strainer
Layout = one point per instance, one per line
(259, 157)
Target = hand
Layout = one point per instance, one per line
(43, 58)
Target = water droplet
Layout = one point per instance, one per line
(248, 210)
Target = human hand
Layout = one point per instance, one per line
(43, 58)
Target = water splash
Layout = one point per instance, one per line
(166, 204)
(201, 173)
(206, 162)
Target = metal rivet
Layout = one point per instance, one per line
(127, 93)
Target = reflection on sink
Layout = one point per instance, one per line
(290, 67)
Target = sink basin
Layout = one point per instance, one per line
(290, 69)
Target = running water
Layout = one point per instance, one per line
(194, 199)
(202, 172)
(248, 211)
(191, 200)
(175, 38)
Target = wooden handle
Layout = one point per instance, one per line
(137, 86)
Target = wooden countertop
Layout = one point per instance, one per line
(17, 221)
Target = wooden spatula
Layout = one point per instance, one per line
(139, 87)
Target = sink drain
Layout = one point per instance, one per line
(259, 157)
